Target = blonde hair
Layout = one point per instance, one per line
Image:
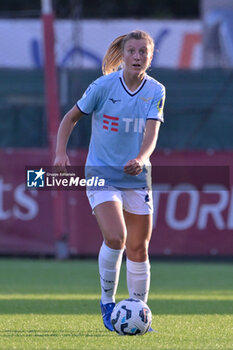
(113, 58)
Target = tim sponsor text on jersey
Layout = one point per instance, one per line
(129, 124)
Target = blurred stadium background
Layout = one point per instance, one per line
(193, 59)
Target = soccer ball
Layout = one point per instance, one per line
(131, 317)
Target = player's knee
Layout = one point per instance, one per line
(115, 241)
(137, 252)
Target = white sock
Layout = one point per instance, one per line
(109, 269)
(138, 279)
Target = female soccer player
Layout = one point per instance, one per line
(127, 110)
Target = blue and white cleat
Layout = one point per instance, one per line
(152, 330)
(106, 310)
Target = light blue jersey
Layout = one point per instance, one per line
(118, 125)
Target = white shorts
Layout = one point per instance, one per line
(138, 201)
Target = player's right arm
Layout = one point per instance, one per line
(85, 105)
(64, 131)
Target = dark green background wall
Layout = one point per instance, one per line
(198, 110)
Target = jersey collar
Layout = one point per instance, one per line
(125, 86)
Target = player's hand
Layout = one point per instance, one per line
(134, 167)
(60, 163)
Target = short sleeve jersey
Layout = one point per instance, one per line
(119, 119)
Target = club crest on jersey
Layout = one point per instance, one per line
(145, 99)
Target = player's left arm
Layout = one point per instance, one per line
(135, 166)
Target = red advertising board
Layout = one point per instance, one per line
(193, 215)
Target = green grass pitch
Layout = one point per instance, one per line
(47, 304)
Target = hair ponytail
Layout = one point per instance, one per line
(113, 57)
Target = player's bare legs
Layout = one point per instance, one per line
(111, 222)
(139, 228)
